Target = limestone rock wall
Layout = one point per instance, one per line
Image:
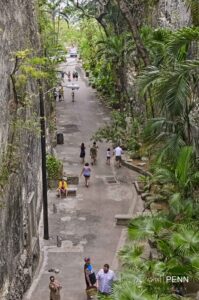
(173, 13)
(20, 202)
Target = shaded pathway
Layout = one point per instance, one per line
(85, 222)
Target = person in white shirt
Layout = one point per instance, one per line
(118, 155)
(105, 278)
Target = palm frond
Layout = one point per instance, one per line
(193, 5)
(180, 41)
(131, 256)
(148, 79)
(183, 166)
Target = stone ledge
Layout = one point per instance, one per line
(123, 219)
(137, 187)
(135, 168)
(71, 179)
(72, 191)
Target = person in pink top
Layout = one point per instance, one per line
(86, 171)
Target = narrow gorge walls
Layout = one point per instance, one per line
(20, 157)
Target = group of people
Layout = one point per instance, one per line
(93, 153)
(101, 282)
(75, 75)
(59, 92)
(86, 171)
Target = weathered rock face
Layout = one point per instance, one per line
(20, 202)
(173, 14)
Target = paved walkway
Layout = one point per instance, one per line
(85, 222)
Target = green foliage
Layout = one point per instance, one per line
(173, 87)
(170, 84)
(10, 161)
(193, 5)
(54, 168)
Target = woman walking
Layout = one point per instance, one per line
(86, 171)
(90, 278)
(82, 152)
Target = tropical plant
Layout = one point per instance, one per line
(173, 86)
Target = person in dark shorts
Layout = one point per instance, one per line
(90, 278)
(82, 152)
(118, 155)
(86, 171)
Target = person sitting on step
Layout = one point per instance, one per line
(62, 188)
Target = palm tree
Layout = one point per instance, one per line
(116, 51)
(183, 176)
(173, 85)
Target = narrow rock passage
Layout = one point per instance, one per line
(85, 222)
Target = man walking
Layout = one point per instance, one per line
(93, 153)
(118, 155)
(55, 288)
(105, 278)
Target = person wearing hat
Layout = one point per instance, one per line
(62, 188)
(90, 277)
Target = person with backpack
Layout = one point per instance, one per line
(90, 278)
(93, 153)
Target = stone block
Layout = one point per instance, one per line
(144, 196)
(71, 179)
(72, 191)
(123, 219)
(138, 188)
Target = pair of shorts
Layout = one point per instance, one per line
(118, 158)
(86, 176)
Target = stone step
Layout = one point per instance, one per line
(72, 191)
(71, 179)
(123, 219)
(137, 187)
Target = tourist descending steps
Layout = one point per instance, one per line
(55, 288)
(86, 171)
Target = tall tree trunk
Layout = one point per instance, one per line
(142, 52)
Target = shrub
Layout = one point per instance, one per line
(54, 168)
